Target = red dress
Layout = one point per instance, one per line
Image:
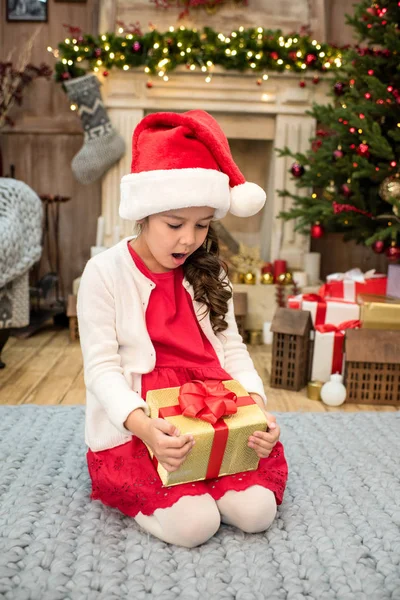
(124, 477)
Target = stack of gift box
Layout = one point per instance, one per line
(348, 301)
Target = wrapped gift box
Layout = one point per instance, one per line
(379, 312)
(393, 286)
(325, 310)
(221, 439)
(328, 354)
(347, 286)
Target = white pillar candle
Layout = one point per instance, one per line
(312, 265)
(100, 231)
(267, 333)
(96, 250)
(300, 277)
(115, 235)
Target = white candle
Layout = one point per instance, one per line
(300, 277)
(100, 231)
(312, 265)
(96, 250)
(116, 235)
(267, 333)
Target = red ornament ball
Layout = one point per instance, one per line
(393, 252)
(338, 88)
(259, 81)
(317, 231)
(66, 75)
(315, 79)
(310, 58)
(370, 71)
(363, 150)
(346, 190)
(274, 55)
(302, 84)
(97, 52)
(367, 96)
(297, 170)
(105, 73)
(149, 84)
(378, 247)
(337, 154)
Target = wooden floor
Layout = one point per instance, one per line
(46, 369)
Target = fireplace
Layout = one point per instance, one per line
(256, 119)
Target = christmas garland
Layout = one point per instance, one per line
(253, 49)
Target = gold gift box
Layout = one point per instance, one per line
(238, 457)
(379, 312)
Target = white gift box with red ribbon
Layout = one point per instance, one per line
(328, 349)
(347, 286)
(325, 310)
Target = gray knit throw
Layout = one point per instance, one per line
(336, 535)
(20, 229)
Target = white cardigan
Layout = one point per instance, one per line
(117, 350)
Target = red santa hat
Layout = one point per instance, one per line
(182, 160)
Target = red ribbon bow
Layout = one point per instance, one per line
(207, 400)
(328, 328)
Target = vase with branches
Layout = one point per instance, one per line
(15, 77)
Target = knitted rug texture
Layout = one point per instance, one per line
(336, 535)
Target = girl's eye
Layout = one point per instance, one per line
(178, 226)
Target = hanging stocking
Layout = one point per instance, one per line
(103, 146)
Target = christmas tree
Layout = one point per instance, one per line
(352, 166)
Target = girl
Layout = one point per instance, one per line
(156, 311)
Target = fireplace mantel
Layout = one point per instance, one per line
(273, 111)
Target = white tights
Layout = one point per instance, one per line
(192, 520)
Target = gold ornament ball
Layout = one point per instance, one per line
(389, 189)
(249, 278)
(285, 278)
(267, 278)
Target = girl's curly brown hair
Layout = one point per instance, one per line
(207, 273)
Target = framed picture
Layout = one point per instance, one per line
(26, 10)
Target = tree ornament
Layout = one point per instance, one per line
(249, 278)
(367, 96)
(389, 190)
(346, 190)
(267, 278)
(274, 55)
(97, 52)
(65, 76)
(315, 79)
(363, 150)
(378, 247)
(338, 88)
(317, 231)
(149, 84)
(330, 191)
(333, 392)
(136, 46)
(393, 252)
(337, 154)
(310, 59)
(285, 278)
(105, 73)
(297, 170)
(302, 83)
(259, 81)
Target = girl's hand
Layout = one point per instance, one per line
(168, 445)
(263, 442)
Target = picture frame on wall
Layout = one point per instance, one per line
(18, 11)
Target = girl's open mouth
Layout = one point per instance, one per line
(179, 258)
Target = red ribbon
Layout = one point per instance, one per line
(321, 307)
(208, 400)
(337, 358)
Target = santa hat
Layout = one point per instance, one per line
(182, 160)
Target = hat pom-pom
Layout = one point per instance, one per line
(247, 199)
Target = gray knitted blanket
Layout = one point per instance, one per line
(336, 536)
(20, 229)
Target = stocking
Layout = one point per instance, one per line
(103, 146)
